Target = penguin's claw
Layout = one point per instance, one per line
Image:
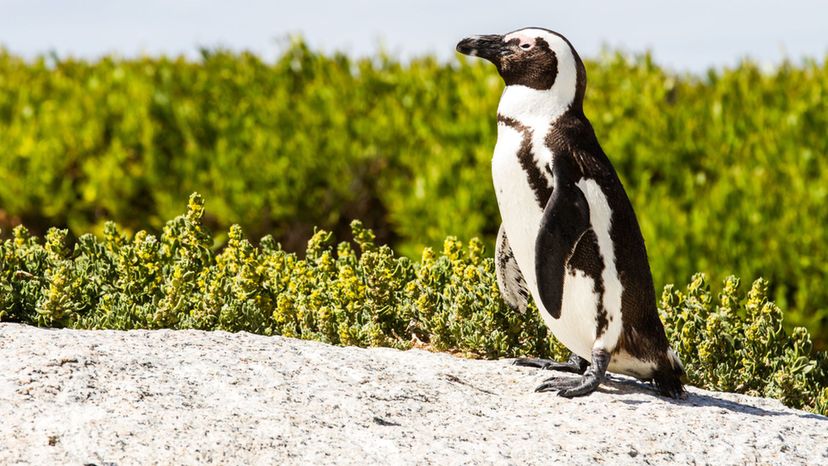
(575, 364)
(588, 384)
(556, 383)
(546, 364)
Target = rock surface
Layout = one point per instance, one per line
(191, 397)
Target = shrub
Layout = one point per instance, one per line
(364, 294)
(737, 344)
(727, 171)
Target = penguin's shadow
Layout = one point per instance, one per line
(615, 384)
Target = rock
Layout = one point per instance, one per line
(192, 397)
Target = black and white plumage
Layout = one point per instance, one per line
(509, 279)
(569, 237)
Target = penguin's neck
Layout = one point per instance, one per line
(535, 108)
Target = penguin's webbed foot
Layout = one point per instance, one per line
(588, 384)
(559, 384)
(590, 381)
(575, 364)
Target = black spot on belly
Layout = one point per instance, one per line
(587, 257)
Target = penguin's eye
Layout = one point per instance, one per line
(526, 46)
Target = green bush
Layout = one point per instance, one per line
(738, 344)
(727, 171)
(368, 296)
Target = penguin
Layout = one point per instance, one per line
(569, 237)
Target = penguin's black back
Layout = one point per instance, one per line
(572, 135)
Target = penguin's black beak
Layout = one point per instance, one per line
(491, 47)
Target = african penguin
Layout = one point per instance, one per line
(569, 237)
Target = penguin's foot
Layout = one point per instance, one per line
(557, 384)
(575, 364)
(590, 381)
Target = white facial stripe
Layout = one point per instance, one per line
(528, 105)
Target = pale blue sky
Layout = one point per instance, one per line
(683, 35)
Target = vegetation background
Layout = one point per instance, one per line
(727, 170)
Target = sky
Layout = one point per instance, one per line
(684, 36)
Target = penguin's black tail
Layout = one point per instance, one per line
(668, 375)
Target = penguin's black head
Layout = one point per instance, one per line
(533, 57)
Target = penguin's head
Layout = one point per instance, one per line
(535, 58)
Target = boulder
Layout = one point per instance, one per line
(193, 397)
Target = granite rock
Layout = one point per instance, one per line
(193, 397)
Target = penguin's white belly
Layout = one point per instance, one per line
(521, 217)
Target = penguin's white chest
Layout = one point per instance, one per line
(521, 214)
(519, 208)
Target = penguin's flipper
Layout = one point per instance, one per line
(510, 279)
(565, 220)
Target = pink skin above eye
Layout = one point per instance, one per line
(526, 42)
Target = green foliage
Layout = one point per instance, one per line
(370, 297)
(363, 294)
(727, 172)
(738, 344)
